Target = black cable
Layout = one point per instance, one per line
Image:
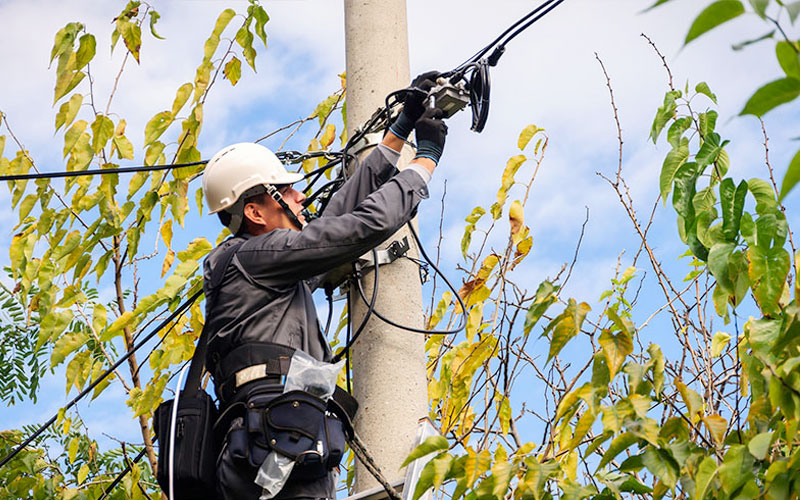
(370, 311)
(346, 344)
(488, 47)
(447, 282)
(102, 377)
(99, 171)
(122, 474)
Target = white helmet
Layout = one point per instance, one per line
(239, 167)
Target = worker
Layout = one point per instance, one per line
(263, 308)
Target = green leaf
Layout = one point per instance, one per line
(674, 160)
(664, 114)
(772, 95)
(619, 444)
(66, 345)
(662, 465)
(677, 129)
(616, 348)
(102, 131)
(245, 39)
(501, 474)
(261, 18)
(736, 468)
(703, 88)
(99, 318)
(732, 204)
(213, 40)
(759, 445)
(430, 445)
(793, 9)
(154, 17)
(156, 126)
(64, 40)
(181, 97)
(788, 58)
(566, 326)
(718, 343)
(86, 51)
(760, 7)
(742, 45)
(763, 334)
(131, 35)
(67, 81)
(764, 194)
(792, 176)
(67, 112)
(768, 271)
(545, 297)
(705, 473)
(658, 2)
(197, 248)
(714, 15)
(233, 70)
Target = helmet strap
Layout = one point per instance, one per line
(273, 192)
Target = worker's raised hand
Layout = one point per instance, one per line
(421, 85)
(431, 133)
(413, 104)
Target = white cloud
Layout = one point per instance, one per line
(549, 76)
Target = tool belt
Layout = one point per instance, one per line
(260, 418)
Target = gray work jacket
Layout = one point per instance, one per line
(265, 294)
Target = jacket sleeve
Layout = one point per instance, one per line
(284, 256)
(377, 168)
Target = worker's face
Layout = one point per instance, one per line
(266, 215)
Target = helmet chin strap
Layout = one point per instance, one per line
(275, 195)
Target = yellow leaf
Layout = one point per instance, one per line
(512, 166)
(166, 232)
(474, 321)
(717, 426)
(328, 136)
(526, 136)
(516, 217)
(82, 473)
(476, 464)
(441, 308)
(73, 449)
(168, 260)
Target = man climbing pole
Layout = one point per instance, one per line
(261, 308)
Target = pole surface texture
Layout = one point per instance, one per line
(389, 369)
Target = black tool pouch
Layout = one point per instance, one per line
(194, 463)
(296, 425)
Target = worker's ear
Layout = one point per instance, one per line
(256, 214)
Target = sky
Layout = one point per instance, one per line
(549, 76)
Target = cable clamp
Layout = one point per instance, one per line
(368, 141)
(396, 250)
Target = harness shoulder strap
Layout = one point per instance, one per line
(199, 357)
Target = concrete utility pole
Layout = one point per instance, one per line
(388, 363)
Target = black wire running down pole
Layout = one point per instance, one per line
(99, 379)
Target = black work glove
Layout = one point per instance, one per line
(431, 133)
(413, 106)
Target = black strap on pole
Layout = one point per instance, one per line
(183, 307)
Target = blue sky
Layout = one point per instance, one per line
(549, 76)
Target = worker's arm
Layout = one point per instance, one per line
(283, 256)
(379, 165)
